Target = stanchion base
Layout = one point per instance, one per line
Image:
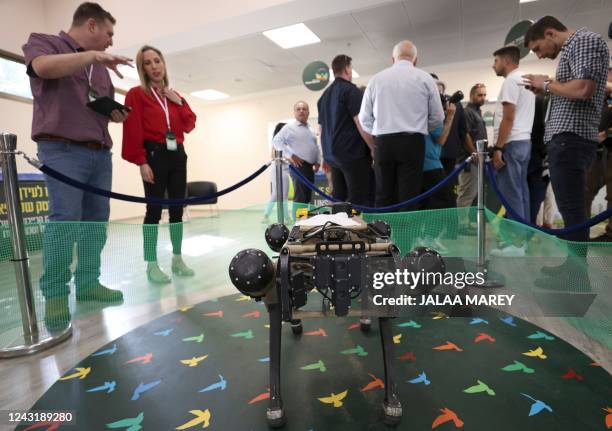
(40, 344)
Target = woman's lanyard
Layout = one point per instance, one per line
(163, 105)
(171, 144)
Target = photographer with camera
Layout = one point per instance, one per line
(513, 122)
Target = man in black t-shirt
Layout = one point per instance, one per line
(347, 148)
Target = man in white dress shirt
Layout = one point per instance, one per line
(400, 106)
(299, 144)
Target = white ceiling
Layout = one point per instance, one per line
(445, 31)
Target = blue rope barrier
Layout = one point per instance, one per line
(387, 208)
(591, 222)
(153, 201)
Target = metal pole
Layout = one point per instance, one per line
(481, 146)
(481, 265)
(31, 336)
(278, 159)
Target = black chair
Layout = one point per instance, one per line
(203, 188)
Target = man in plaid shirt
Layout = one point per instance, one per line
(577, 96)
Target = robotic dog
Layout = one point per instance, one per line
(332, 259)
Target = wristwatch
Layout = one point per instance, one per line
(546, 85)
(496, 148)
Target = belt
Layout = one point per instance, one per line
(88, 144)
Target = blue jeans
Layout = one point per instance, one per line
(512, 178)
(569, 158)
(69, 204)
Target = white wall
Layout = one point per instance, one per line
(17, 20)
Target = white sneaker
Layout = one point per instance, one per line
(509, 251)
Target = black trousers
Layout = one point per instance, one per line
(302, 193)
(443, 198)
(170, 175)
(399, 168)
(351, 181)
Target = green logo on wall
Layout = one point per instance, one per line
(516, 36)
(316, 76)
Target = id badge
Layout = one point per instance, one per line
(171, 141)
(92, 95)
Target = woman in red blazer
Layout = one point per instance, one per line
(153, 139)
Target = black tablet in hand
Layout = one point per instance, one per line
(105, 105)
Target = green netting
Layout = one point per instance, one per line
(581, 295)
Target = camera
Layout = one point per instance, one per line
(456, 97)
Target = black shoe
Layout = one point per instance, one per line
(57, 313)
(604, 237)
(556, 270)
(575, 282)
(99, 293)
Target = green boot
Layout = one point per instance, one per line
(180, 268)
(156, 275)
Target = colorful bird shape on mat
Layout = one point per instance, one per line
(421, 378)
(409, 324)
(540, 336)
(197, 338)
(375, 383)
(256, 314)
(447, 416)
(448, 346)
(214, 314)
(193, 362)
(608, 410)
(142, 359)
(408, 356)
(536, 353)
(480, 387)
(221, 385)
(320, 365)
(264, 360)
(247, 335)
(130, 424)
(52, 426)
(359, 351)
(243, 298)
(571, 374)
(518, 366)
(110, 351)
(142, 388)
(437, 315)
(201, 417)
(164, 333)
(335, 399)
(81, 373)
(261, 397)
(397, 339)
(478, 320)
(484, 336)
(537, 406)
(187, 308)
(509, 320)
(318, 333)
(354, 326)
(107, 387)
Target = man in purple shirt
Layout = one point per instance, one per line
(66, 72)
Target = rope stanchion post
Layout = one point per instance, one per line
(278, 163)
(481, 221)
(32, 340)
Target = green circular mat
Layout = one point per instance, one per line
(206, 367)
